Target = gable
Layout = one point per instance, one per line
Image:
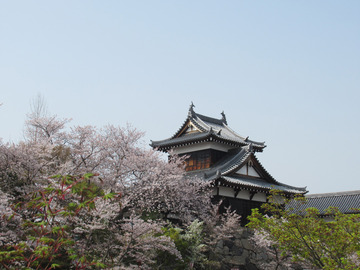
(248, 169)
(188, 128)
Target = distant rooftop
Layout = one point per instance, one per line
(345, 201)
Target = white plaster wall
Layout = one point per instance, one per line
(259, 197)
(242, 170)
(243, 194)
(201, 146)
(226, 191)
(252, 172)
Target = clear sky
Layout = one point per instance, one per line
(284, 72)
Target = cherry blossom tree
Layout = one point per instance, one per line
(114, 231)
(74, 225)
(9, 225)
(277, 259)
(114, 217)
(145, 180)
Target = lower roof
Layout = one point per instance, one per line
(259, 184)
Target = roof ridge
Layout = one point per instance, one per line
(246, 139)
(333, 194)
(210, 119)
(196, 123)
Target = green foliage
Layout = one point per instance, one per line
(167, 260)
(190, 244)
(309, 238)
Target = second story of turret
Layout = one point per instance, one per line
(205, 140)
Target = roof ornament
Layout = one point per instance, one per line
(246, 138)
(218, 173)
(191, 109)
(219, 132)
(250, 148)
(223, 117)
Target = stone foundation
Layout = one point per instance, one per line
(240, 253)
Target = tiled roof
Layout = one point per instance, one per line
(224, 171)
(208, 119)
(181, 140)
(344, 201)
(208, 127)
(232, 161)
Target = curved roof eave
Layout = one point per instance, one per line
(254, 185)
(199, 138)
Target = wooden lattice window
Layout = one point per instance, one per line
(202, 159)
(198, 160)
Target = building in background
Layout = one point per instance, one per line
(347, 202)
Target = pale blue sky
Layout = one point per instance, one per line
(284, 72)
